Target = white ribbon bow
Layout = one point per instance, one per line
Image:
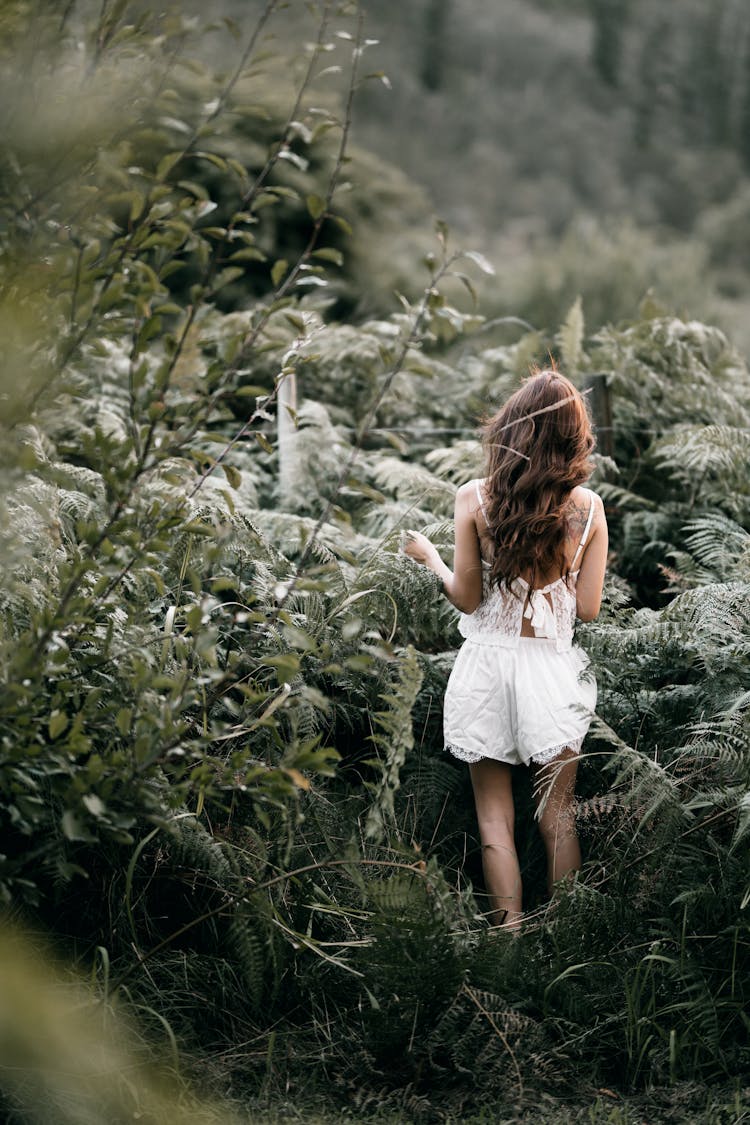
(539, 612)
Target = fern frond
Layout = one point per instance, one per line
(409, 481)
(720, 544)
(458, 462)
(290, 533)
(394, 738)
(691, 452)
(570, 339)
(615, 496)
(379, 520)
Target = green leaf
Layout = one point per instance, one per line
(298, 638)
(249, 254)
(58, 721)
(329, 254)
(365, 490)
(198, 190)
(170, 268)
(278, 270)
(91, 251)
(321, 128)
(212, 158)
(419, 368)
(233, 474)
(95, 805)
(286, 666)
(226, 277)
(194, 619)
(166, 164)
(149, 329)
(248, 390)
(72, 827)
(265, 199)
(124, 720)
(316, 205)
(469, 284)
(342, 223)
(235, 165)
(225, 583)
(381, 77)
(111, 296)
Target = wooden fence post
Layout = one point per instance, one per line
(288, 438)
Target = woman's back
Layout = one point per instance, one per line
(516, 609)
(580, 509)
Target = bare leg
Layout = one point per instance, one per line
(554, 796)
(493, 796)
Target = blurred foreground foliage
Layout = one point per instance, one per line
(70, 1057)
(223, 786)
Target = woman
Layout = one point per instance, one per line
(530, 555)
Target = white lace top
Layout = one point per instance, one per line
(550, 609)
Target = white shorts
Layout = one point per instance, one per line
(517, 705)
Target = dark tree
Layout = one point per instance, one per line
(433, 58)
(610, 18)
(653, 81)
(743, 140)
(706, 79)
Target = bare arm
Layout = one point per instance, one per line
(593, 565)
(463, 584)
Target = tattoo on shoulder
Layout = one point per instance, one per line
(578, 515)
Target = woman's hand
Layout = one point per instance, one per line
(419, 548)
(464, 588)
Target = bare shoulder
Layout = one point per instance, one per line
(470, 503)
(579, 507)
(469, 494)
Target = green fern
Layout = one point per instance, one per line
(571, 339)
(393, 739)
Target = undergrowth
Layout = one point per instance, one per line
(223, 788)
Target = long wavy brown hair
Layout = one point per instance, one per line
(537, 448)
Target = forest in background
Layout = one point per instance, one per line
(597, 147)
(225, 812)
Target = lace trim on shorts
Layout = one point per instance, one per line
(549, 755)
(463, 755)
(540, 759)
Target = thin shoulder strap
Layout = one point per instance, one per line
(481, 501)
(586, 530)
